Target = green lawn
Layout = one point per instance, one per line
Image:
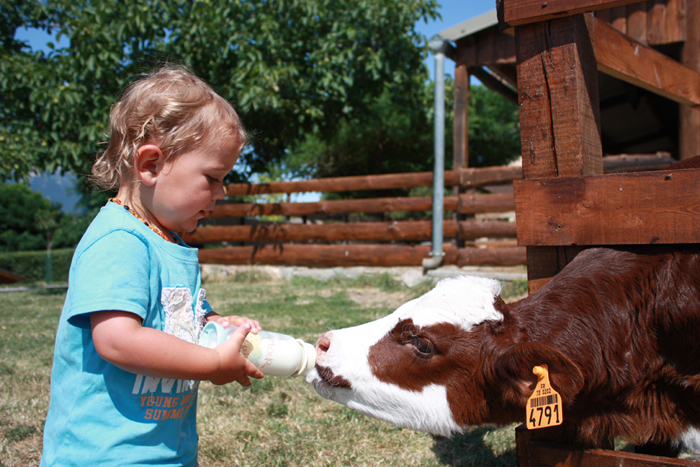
(277, 421)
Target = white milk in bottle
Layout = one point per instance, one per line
(273, 353)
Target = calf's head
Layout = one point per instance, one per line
(433, 364)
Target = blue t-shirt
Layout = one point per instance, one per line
(98, 413)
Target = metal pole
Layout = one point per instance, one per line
(438, 47)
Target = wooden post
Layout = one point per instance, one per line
(559, 114)
(460, 135)
(689, 137)
(461, 118)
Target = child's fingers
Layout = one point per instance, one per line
(241, 320)
(251, 371)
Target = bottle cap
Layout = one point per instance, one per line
(308, 358)
(212, 335)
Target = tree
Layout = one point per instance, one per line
(396, 135)
(291, 67)
(28, 221)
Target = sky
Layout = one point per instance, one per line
(453, 12)
(59, 189)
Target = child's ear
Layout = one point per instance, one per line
(149, 163)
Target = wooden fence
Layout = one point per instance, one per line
(481, 229)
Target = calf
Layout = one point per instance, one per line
(618, 330)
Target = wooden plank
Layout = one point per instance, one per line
(469, 204)
(544, 454)
(661, 207)
(463, 177)
(357, 255)
(558, 90)
(559, 114)
(689, 136)
(656, 22)
(626, 59)
(7, 277)
(460, 128)
(619, 18)
(637, 22)
(356, 231)
(494, 84)
(518, 12)
(501, 256)
(676, 20)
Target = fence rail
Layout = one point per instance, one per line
(486, 237)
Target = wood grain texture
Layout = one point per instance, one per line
(645, 208)
(359, 255)
(624, 58)
(518, 12)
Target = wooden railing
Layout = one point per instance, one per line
(318, 234)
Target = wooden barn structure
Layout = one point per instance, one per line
(631, 95)
(591, 77)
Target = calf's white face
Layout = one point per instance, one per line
(408, 368)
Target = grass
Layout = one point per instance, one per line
(275, 422)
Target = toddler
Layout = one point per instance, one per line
(126, 364)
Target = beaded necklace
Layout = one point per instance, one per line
(152, 227)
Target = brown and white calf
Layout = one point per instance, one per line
(619, 330)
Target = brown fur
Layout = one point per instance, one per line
(618, 328)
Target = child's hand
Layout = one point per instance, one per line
(239, 321)
(234, 366)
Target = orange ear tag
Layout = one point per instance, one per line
(544, 406)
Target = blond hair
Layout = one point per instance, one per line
(171, 108)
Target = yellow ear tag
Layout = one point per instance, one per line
(544, 407)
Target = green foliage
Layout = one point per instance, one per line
(494, 128)
(396, 135)
(28, 221)
(32, 264)
(291, 67)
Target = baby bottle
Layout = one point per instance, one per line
(273, 353)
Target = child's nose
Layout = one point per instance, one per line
(219, 192)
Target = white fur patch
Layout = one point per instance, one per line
(464, 301)
(690, 440)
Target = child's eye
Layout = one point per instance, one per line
(212, 179)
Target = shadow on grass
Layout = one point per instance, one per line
(479, 447)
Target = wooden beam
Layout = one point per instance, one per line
(518, 12)
(465, 203)
(558, 92)
(628, 60)
(359, 255)
(462, 177)
(559, 115)
(689, 136)
(7, 277)
(544, 454)
(355, 231)
(460, 129)
(494, 84)
(647, 208)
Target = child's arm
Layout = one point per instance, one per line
(120, 339)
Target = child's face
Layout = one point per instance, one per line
(191, 183)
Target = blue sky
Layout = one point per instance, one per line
(58, 188)
(453, 12)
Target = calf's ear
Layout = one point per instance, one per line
(513, 368)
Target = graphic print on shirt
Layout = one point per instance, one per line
(164, 398)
